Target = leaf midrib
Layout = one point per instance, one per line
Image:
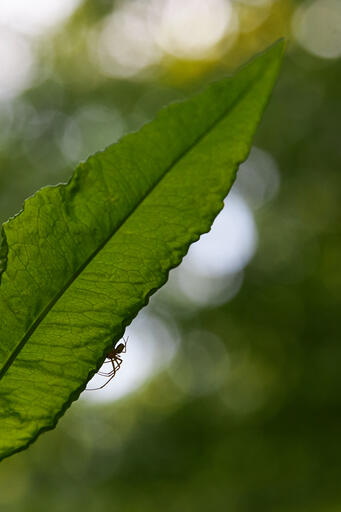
(76, 274)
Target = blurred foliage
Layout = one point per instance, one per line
(266, 436)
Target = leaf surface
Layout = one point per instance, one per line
(82, 259)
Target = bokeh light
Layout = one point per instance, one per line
(317, 27)
(17, 64)
(258, 179)
(211, 272)
(125, 46)
(229, 245)
(191, 29)
(36, 17)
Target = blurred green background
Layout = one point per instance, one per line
(229, 395)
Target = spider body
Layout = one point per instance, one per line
(116, 360)
(121, 348)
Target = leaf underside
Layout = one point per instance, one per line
(81, 259)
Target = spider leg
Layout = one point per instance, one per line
(118, 362)
(106, 374)
(101, 387)
(125, 345)
(116, 365)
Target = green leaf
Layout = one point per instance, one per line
(82, 259)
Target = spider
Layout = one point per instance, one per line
(114, 356)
